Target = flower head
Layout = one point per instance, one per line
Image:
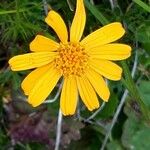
(81, 63)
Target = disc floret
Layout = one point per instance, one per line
(72, 59)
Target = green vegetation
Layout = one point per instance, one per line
(127, 114)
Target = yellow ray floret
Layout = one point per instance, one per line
(41, 43)
(32, 78)
(78, 23)
(43, 87)
(69, 96)
(106, 68)
(55, 21)
(31, 60)
(104, 35)
(98, 84)
(87, 93)
(113, 51)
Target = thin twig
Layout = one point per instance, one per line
(135, 64)
(70, 5)
(45, 7)
(111, 4)
(58, 135)
(120, 105)
(92, 2)
(114, 119)
(96, 112)
(78, 111)
(56, 96)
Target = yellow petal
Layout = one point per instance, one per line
(98, 84)
(31, 60)
(78, 23)
(31, 79)
(55, 21)
(68, 101)
(43, 87)
(104, 35)
(41, 43)
(106, 68)
(111, 52)
(87, 93)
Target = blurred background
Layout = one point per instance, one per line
(25, 128)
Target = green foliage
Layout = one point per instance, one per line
(144, 89)
(131, 126)
(143, 5)
(20, 22)
(114, 145)
(143, 35)
(135, 135)
(110, 107)
(139, 144)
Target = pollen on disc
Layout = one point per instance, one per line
(72, 59)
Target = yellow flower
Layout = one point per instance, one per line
(82, 63)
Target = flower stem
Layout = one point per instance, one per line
(58, 135)
(132, 88)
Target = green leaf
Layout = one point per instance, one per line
(143, 5)
(114, 145)
(16, 81)
(143, 35)
(140, 140)
(131, 126)
(135, 135)
(4, 12)
(98, 15)
(5, 76)
(109, 107)
(144, 89)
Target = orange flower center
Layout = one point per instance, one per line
(72, 59)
